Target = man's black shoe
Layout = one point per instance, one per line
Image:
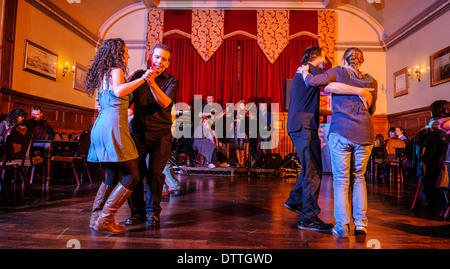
(153, 221)
(315, 224)
(293, 208)
(135, 219)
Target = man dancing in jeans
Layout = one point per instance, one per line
(350, 138)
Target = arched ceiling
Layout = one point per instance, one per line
(389, 16)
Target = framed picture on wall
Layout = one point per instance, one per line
(440, 67)
(39, 60)
(80, 77)
(401, 82)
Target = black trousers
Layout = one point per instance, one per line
(306, 191)
(158, 152)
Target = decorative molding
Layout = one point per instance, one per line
(63, 117)
(376, 26)
(239, 32)
(434, 11)
(228, 5)
(64, 19)
(331, 4)
(117, 16)
(363, 45)
(303, 33)
(151, 3)
(425, 17)
(420, 110)
(140, 44)
(245, 5)
(8, 37)
(176, 31)
(412, 121)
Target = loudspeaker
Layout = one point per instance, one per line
(269, 161)
(287, 90)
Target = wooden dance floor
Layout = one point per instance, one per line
(216, 212)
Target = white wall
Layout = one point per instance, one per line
(34, 25)
(410, 52)
(132, 28)
(352, 31)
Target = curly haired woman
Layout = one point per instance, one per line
(15, 116)
(111, 143)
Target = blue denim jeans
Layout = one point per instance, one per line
(349, 159)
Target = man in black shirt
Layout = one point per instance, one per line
(40, 128)
(302, 127)
(151, 132)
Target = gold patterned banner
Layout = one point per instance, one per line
(207, 31)
(273, 32)
(155, 28)
(327, 33)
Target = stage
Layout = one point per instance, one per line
(236, 171)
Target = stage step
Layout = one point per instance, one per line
(234, 171)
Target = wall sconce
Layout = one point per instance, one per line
(417, 74)
(66, 70)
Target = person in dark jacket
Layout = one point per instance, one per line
(40, 128)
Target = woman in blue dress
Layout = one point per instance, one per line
(111, 143)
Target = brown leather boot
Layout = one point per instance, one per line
(99, 201)
(105, 221)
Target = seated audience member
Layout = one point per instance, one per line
(392, 132)
(40, 128)
(400, 133)
(445, 163)
(379, 140)
(14, 117)
(428, 145)
(392, 135)
(443, 181)
(439, 109)
(208, 145)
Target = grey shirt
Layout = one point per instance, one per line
(350, 119)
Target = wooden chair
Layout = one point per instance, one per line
(394, 157)
(64, 137)
(377, 160)
(17, 147)
(79, 156)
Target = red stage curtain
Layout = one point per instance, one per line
(238, 70)
(218, 76)
(266, 81)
